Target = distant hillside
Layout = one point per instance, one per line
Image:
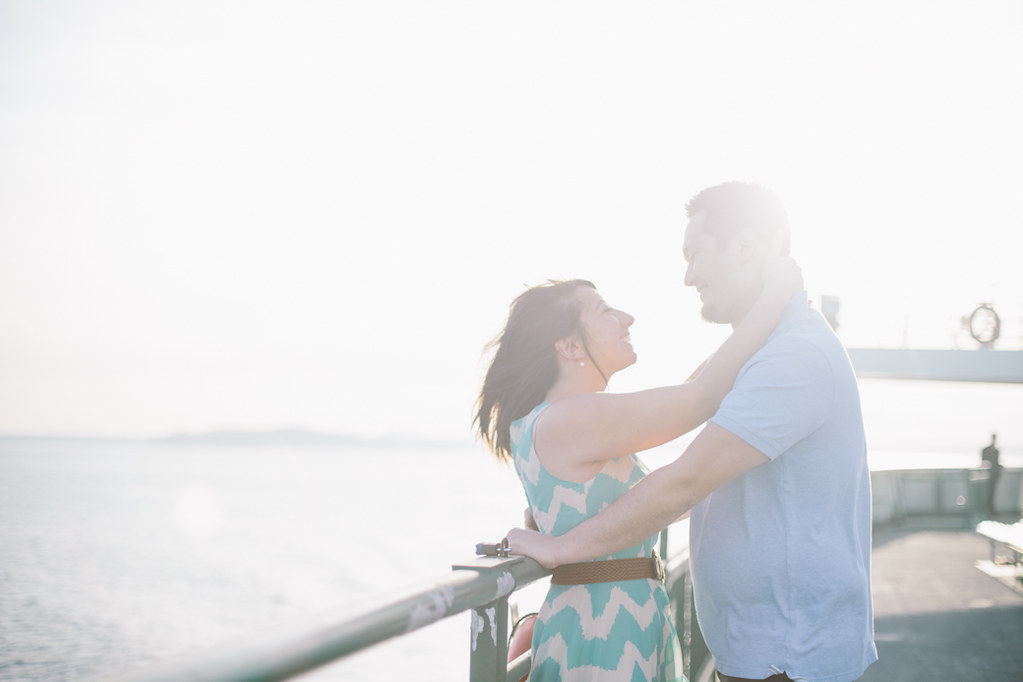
(292, 437)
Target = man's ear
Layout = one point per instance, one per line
(570, 347)
(756, 244)
(748, 243)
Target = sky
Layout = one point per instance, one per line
(261, 215)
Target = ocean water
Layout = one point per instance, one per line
(115, 554)
(118, 554)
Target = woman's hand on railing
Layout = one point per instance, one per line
(535, 545)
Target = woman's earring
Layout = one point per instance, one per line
(582, 364)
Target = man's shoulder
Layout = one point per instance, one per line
(800, 338)
(803, 333)
(797, 354)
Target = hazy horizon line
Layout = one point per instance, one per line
(290, 437)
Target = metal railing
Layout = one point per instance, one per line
(481, 586)
(959, 495)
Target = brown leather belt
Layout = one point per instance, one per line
(609, 571)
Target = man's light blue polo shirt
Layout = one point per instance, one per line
(781, 554)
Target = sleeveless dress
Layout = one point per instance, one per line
(600, 631)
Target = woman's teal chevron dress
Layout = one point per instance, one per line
(601, 631)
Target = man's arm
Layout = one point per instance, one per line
(715, 457)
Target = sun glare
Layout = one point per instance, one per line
(197, 511)
(201, 232)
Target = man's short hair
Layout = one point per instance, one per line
(734, 205)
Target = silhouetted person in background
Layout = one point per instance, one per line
(989, 456)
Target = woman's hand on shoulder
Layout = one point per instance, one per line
(782, 276)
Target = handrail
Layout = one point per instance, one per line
(482, 585)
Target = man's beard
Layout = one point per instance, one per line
(713, 314)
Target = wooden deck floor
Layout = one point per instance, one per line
(942, 610)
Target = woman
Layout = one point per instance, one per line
(542, 407)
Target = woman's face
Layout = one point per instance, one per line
(606, 332)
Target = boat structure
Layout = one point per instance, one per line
(990, 366)
(984, 363)
(947, 571)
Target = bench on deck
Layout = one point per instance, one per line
(1006, 535)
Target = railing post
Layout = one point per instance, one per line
(488, 628)
(488, 659)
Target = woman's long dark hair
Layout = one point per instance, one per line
(525, 362)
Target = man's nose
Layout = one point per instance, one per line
(688, 277)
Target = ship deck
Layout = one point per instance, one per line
(942, 609)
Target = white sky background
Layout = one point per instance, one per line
(255, 215)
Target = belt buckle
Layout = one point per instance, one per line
(658, 566)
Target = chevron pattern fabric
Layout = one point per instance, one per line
(602, 631)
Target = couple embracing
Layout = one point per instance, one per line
(776, 484)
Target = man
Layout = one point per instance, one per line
(777, 481)
(989, 458)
